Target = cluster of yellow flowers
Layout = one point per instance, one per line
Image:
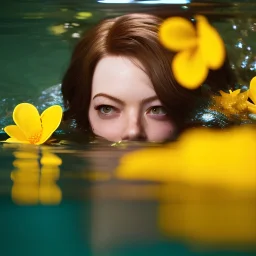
(198, 49)
(236, 102)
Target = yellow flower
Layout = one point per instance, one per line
(199, 49)
(233, 102)
(31, 128)
(202, 157)
(252, 96)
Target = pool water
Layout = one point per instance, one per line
(65, 198)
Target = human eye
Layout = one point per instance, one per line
(106, 110)
(157, 110)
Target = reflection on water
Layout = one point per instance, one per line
(73, 192)
(34, 177)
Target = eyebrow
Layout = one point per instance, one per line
(144, 101)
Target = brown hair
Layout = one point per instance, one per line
(134, 36)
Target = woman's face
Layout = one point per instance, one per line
(124, 105)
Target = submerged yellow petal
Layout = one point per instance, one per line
(15, 132)
(51, 119)
(252, 92)
(189, 69)
(27, 118)
(211, 44)
(177, 34)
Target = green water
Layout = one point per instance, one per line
(80, 207)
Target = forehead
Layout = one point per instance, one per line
(121, 76)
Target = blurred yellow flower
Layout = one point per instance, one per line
(202, 157)
(31, 128)
(252, 96)
(199, 49)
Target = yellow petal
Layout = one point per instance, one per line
(177, 34)
(230, 94)
(224, 94)
(14, 140)
(251, 107)
(189, 69)
(252, 92)
(15, 132)
(235, 93)
(211, 44)
(51, 119)
(27, 118)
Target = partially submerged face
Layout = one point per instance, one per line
(124, 104)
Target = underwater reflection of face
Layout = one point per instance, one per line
(124, 105)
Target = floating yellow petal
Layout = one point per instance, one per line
(177, 34)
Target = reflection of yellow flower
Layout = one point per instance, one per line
(208, 217)
(33, 183)
(199, 49)
(252, 96)
(233, 102)
(30, 126)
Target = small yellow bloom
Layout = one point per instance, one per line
(232, 103)
(252, 96)
(199, 49)
(31, 128)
